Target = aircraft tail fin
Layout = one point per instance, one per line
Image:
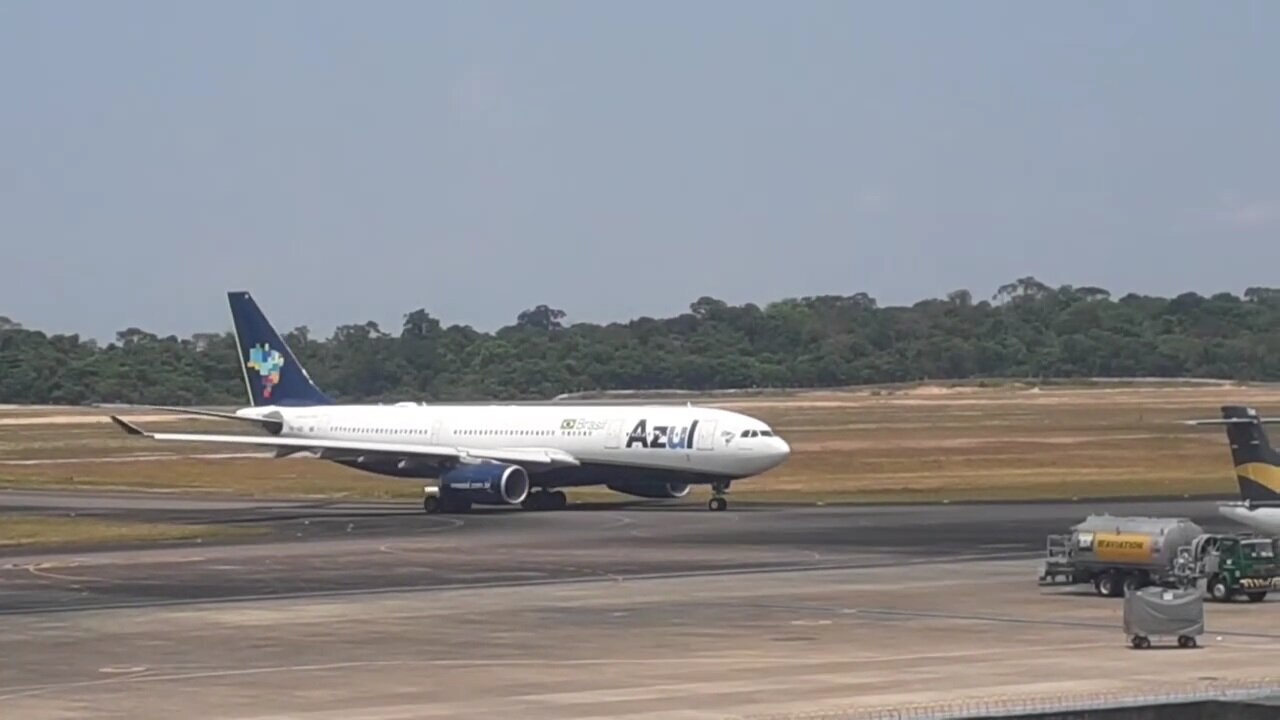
(272, 375)
(1257, 463)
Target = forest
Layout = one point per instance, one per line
(1026, 330)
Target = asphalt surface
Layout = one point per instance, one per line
(368, 611)
(318, 549)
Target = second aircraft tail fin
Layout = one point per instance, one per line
(1257, 463)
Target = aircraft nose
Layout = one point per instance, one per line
(781, 450)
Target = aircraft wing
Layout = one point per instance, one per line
(549, 457)
(270, 423)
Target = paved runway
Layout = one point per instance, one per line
(315, 549)
(377, 612)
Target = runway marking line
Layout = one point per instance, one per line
(621, 521)
(153, 675)
(38, 569)
(999, 619)
(506, 584)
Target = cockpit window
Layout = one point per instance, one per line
(766, 433)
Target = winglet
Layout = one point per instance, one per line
(125, 425)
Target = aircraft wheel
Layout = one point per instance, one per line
(558, 500)
(454, 505)
(717, 504)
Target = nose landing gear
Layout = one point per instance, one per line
(718, 502)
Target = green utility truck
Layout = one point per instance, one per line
(1237, 565)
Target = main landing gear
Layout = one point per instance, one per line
(718, 501)
(546, 500)
(433, 502)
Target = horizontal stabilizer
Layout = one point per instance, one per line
(1253, 504)
(1233, 421)
(127, 426)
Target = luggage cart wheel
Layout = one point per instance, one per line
(1139, 642)
(1186, 641)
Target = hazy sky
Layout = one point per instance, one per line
(354, 161)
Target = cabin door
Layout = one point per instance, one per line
(705, 439)
(613, 434)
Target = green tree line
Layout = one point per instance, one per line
(1026, 330)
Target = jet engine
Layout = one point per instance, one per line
(651, 489)
(486, 483)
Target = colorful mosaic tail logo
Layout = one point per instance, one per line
(267, 363)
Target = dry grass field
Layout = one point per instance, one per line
(923, 443)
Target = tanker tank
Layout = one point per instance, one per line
(1119, 554)
(1141, 541)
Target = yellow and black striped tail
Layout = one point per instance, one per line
(1259, 482)
(1257, 463)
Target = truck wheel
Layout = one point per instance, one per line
(1133, 583)
(1256, 596)
(1109, 586)
(1186, 641)
(1219, 590)
(1139, 642)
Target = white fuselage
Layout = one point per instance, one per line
(1265, 520)
(696, 440)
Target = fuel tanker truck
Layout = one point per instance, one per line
(1121, 554)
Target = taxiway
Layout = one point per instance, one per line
(377, 611)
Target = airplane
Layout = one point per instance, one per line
(486, 454)
(1257, 469)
